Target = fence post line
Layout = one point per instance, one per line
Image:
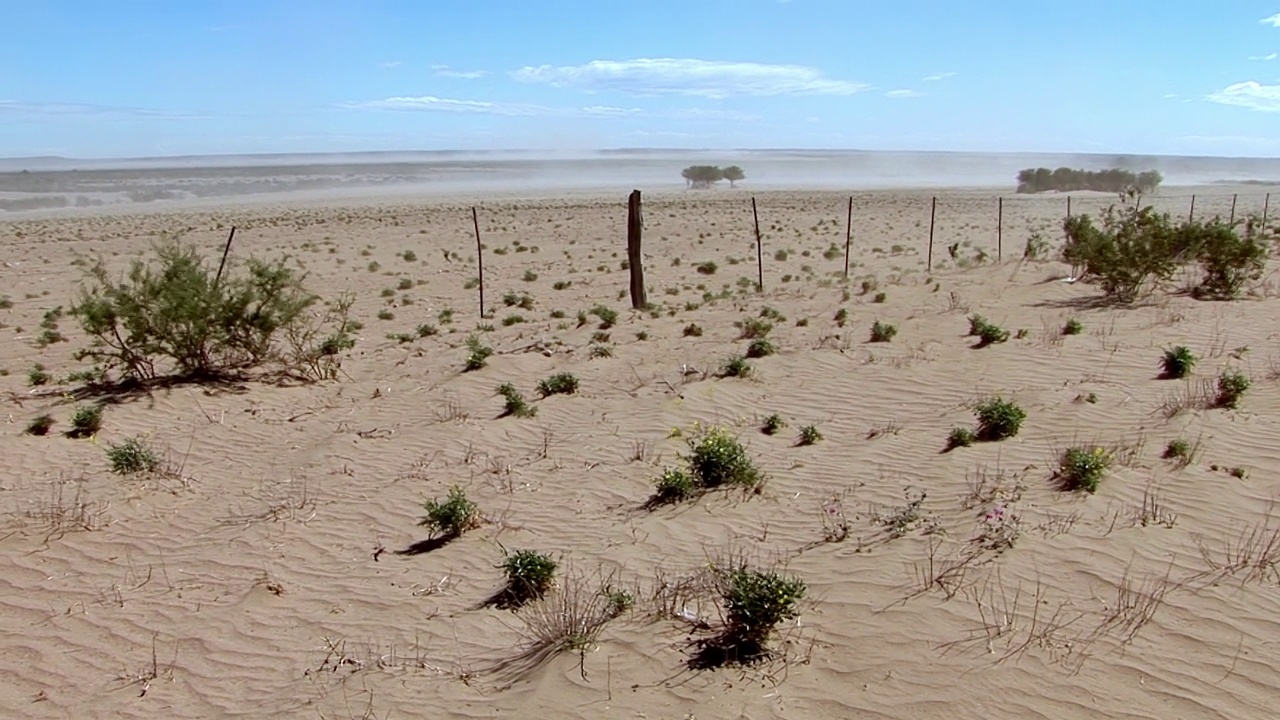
(1234, 196)
(1266, 205)
(759, 248)
(475, 221)
(848, 237)
(217, 279)
(635, 258)
(1000, 229)
(933, 214)
(1191, 214)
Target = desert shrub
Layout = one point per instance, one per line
(520, 300)
(558, 384)
(1178, 449)
(600, 351)
(1228, 259)
(608, 316)
(515, 403)
(976, 323)
(809, 434)
(1082, 468)
(1177, 362)
(735, 367)
(529, 574)
(452, 517)
(772, 425)
(960, 437)
(172, 314)
(756, 602)
(841, 317)
(760, 347)
(672, 486)
(86, 421)
(131, 457)
(478, 354)
(692, 330)
(40, 425)
(1231, 387)
(753, 328)
(717, 458)
(882, 332)
(38, 376)
(426, 330)
(988, 333)
(998, 419)
(706, 268)
(1073, 327)
(880, 297)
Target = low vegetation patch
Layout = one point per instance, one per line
(131, 457)
(1232, 385)
(515, 404)
(451, 517)
(530, 574)
(1177, 363)
(558, 384)
(716, 459)
(1082, 468)
(882, 332)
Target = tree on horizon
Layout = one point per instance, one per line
(703, 176)
(733, 174)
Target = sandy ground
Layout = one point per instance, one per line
(268, 577)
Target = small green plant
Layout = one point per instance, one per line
(692, 330)
(1177, 363)
(131, 457)
(516, 405)
(672, 486)
(561, 285)
(809, 435)
(717, 458)
(879, 298)
(477, 354)
(882, 332)
(426, 330)
(40, 425)
(452, 517)
(1073, 327)
(706, 268)
(1179, 450)
(755, 603)
(1232, 385)
(530, 575)
(1082, 468)
(37, 376)
(608, 316)
(988, 333)
(960, 437)
(841, 317)
(385, 314)
(998, 419)
(760, 347)
(410, 256)
(558, 384)
(86, 421)
(772, 425)
(754, 328)
(735, 367)
(529, 276)
(598, 352)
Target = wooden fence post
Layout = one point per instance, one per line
(848, 237)
(1266, 205)
(1234, 196)
(999, 229)
(475, 221)
(759, 248)
(1191, 214)
(217, 279)
(635, 258)
(933, 213)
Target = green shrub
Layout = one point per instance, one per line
(756, 602)
(37, 376)
(706, 268)
(976, 323)
(841, 317)
(753, 328)
(559, 384)
(453, 517)
(692, 330)
(86, 421)
(735, 367)
(1231, 387)
(760, 347)
(1073, 327)
(131, 457)
(1133, 249)
(1228, 259)
(772, 425)
(478, 354)
(717, 458)
(515, 402)
(998, 419)
(1082, 468)
(1178, 449)
(426, 330)
(989, 334)
(608, 316)
(879, 298)
(882, 332)
(1177, 363)
(40, 425)
(960, 437)
(809, 435)
(173, 315)
(530, 574)
(672, 486)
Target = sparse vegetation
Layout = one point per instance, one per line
(40, 425)
(1073, 327)
(809, 435)
(1083, 468)
(452, 517)
(772, 425)
(86, 421)
(515, 405)
(735, 367)
(530, 574)
(477, 354)
(1232, 385)
(998, 419)
(882, 332)
(558, 384)
(131, 457)
(1177, 363)
(760, 347)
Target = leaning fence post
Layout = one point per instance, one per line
(635, 258)
(217, 279)
(1234, 196)
(848, 237)
(475, 220)
(1191, 214)
(759, 249)
(1266, 205)
(999, 229)
(933, 213)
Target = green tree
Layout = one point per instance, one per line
(733, 174)
(702, 176)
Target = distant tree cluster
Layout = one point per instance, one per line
(1034, 180)
(704, 176)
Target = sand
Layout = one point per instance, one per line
(266, 575)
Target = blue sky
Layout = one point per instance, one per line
(99, 78)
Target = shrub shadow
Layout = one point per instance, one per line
(423, 547)
(726, 650)
(115, 393)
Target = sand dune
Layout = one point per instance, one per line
(274, 574)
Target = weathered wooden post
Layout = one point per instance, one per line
(475, 221)
(933, 213)
(635, 257)
(1266, 205)
(848, 237)
(1234, 196)
(999, 229)
(1191, 214)
(759, 248)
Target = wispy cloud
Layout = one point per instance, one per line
(430, 103)
(1250, 94)
(939, 76)
(899, 94)
(445, 71)
(10, 107)
(1264, 58)
(700, 78)
(1273, 21)
(391, 64)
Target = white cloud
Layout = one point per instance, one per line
(903, 94)
(445, 71)
(391, 64)
(9, 107)
(1273, 21)
(682, 76)
(430, 103)
(940, 76)
(1250, 94)
(1264, 58)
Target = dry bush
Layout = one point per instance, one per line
(1197, 394)
(1252, 555)
(59, 514)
